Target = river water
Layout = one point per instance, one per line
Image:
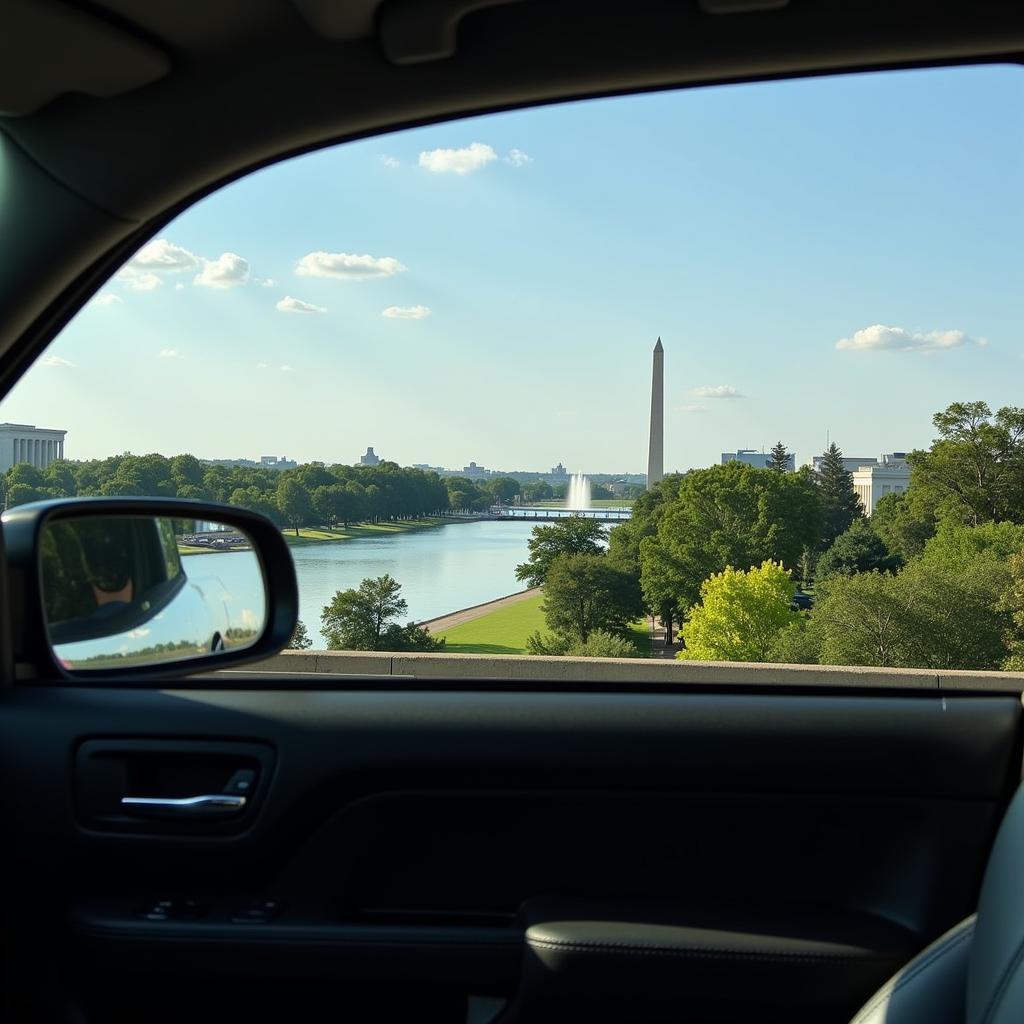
(441, 568)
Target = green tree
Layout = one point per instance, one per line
(573, 535)
(503, 488)
(600, 644)
(330, 503)
(22, 494)
(840, 505)
(357, 619)
(731, 515)
(740, 615)
(974, 470)
(859, 549)
(538, 490)
(905, 522)
(300, 639)
(584, 592)
(778, 458)
(1012, 601)
(293, 501)
(862, 620)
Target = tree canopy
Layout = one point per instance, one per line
(740, 614)
(573, 535)
(585, 592)
(840, 505)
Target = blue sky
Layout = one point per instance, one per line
(836, 255)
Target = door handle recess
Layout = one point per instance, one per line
(208, 805)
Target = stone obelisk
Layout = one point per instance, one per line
(656, 450)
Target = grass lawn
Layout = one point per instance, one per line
(505, 630)
(318, 535)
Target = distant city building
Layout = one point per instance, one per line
(889, 474)
(558, 472)
(473, 471)
(273, 462)
(38, 446)
(265, 462)
(849, 463)
(369, 459)
(759, 460)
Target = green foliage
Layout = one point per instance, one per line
(778, 457)
(599, 644)
(904, 522)
(1012, 601)
(731, 515)
(573, 535)
(300, 638)
(356, 619)
(798, 644)
(840, 505)
(860, 549)
(294, 502)
(946, 609)
(861, 620)
(974, 472)
(584, 592)
(740, 616)
(538, 490)
(503, 488)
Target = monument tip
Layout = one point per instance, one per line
(658, 347)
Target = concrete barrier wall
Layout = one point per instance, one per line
(620, 670)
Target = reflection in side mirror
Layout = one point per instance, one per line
(123, 591)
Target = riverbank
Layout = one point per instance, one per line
(502, 627)
(320, 535)
(498, 630)
(476, 611)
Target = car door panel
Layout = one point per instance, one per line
(411, 838)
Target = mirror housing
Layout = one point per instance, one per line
(26, 528)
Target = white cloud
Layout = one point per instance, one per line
(107, 299)
(716, 391)
(878, 337)
(264, 282)
(390, 161)
(263, 366)
(170, 353)
(179, 287)
(287, 369)
(290, 305)
(517, 158)
(55, 361)
(227, 271)
(138, 281)
(406, 312)
(164, 257)
(347, 266)
(691, 408)
(458, 161)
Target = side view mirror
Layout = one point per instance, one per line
(116, 586)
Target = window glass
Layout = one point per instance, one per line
(764, 341)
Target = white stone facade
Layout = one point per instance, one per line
(21, 442)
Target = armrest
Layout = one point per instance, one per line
(681, 955)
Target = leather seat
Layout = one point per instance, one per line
(974, 974)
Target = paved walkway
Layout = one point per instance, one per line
(475, 611)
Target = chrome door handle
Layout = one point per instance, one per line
(205, 806)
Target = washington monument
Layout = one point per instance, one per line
(656, 450)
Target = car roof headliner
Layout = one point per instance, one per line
(221, 87)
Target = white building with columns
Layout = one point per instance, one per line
(889, 474)
(21, 442)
